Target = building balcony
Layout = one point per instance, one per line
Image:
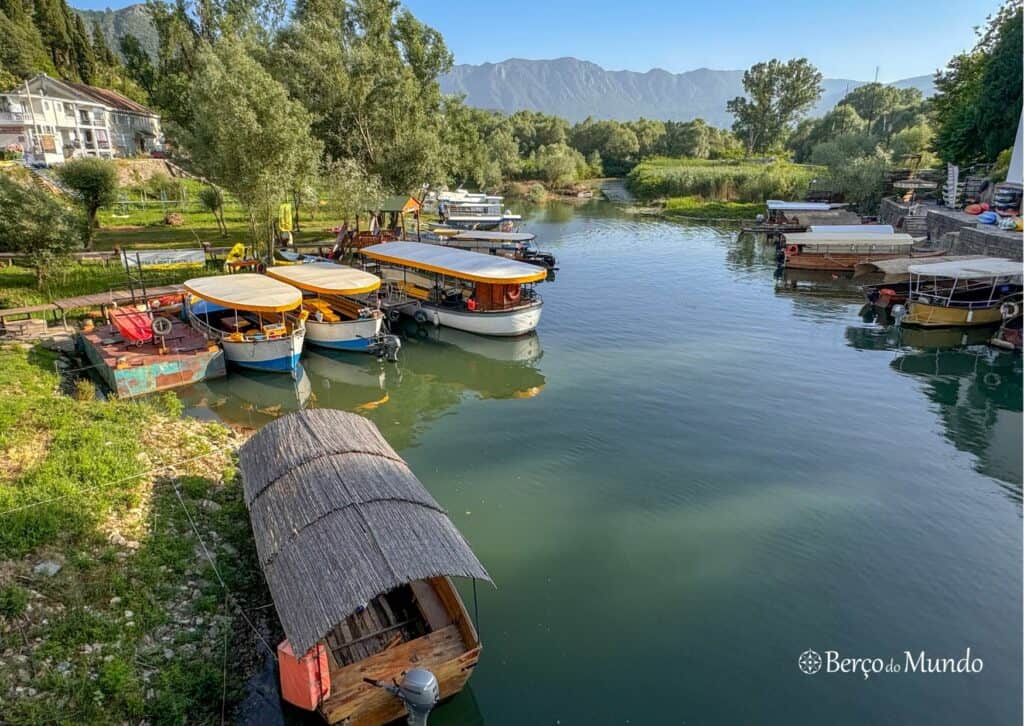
(12, 117)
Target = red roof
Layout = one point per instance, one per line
(111, 98)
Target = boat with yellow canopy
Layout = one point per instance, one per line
(337, 319)
(483, 294)
(960, 293)
(256, 319)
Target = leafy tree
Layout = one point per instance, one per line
(533, 129)
(616, 142)
(999, 107)
(36, 223)
(690, 139)
(138, 64)
(367, 70)
(93, 182)
(22, 52)
(251, 139)
(779, 93)
(649, 135)
(559, 164)
(101, 51)
(840, 121)
(912, 141)
(212, 200)
(978, 95)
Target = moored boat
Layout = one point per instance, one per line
(358, 568)
(891, 278)
(845, 250)
(960, 293)
(472, 210)
(484, 294)
(1008, 337)
(255, 319)
(336, 318)
(514, 245)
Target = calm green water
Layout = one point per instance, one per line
(695, 472)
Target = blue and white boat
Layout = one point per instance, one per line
(257, 320)
(337, 319)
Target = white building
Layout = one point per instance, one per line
(54, 120)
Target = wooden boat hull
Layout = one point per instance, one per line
(843, 260)
(450, 653)
(924, 315)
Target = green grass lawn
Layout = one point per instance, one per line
(134, 627)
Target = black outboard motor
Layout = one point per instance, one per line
(419, 692)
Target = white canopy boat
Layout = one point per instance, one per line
(470, 210)
(336, 319)
(484, 294)
(256, 319)
(514, 245)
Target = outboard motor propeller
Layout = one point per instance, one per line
(419, 692)
(388, 348)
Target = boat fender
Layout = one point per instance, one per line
(420, 316)
(992, 380)
(792, 250)
(514, 292)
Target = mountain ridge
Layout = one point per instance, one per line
(574, 89)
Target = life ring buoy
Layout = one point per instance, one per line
(792, 250)
(162, 326)
(420, 316)
(514, 292)
(1009, 310)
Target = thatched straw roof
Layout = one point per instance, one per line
(339, 518)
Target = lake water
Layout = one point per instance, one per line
(694, 473)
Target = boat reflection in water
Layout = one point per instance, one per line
(436, 370)
(978, 392)
(249, 399)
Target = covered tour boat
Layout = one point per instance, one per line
(961, 293)
(484, 294)
(844, 250)
(472, 210)
(1008, 337)
(256, 319)
(889, 280)
(514, 245)
(336, 318)
(357, 556)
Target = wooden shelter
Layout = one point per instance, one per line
(387, 220)
(357, 556)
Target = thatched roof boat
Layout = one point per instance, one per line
(357, 556)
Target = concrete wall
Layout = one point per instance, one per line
(961, 230)
(991, 242)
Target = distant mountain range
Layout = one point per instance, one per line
(130, 20)
(567, 87)
(575, 89)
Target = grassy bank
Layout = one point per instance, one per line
(109, 611)
(18, 284)
(697, 208)
(721, 180)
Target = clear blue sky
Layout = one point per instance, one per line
(844, 38)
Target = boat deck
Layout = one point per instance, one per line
(133, 370)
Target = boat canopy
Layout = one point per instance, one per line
(969, 269)
(778, 204)
(851, 228)
(485, 236)
(848, 239)
(454, 262)
(339, 518)
(246, 291)
(898, 269)
(326, 278)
